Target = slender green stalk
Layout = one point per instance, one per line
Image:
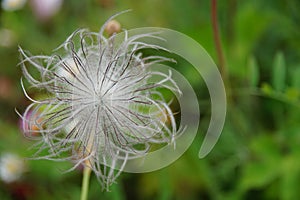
(217, 39)
(85, 183)
(218, 46)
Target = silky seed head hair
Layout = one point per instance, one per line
(101, 107)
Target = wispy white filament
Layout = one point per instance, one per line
(101, 105)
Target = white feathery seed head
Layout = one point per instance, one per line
(102, 109)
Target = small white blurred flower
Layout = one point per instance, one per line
(45, 9)
(11, 167)
(7, 37)
(12, 5)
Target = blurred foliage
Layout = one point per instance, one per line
(257, 156)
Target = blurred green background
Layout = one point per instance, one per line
(258, 154)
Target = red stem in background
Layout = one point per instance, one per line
(217, 40)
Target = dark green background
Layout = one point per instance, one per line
(258, 154)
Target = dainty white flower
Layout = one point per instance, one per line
(11, 167)
(7, 37)
(102, 108)
(45, 9)
(12, 5)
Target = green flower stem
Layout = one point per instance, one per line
(218, 46)
(217, 39)
(85, 183)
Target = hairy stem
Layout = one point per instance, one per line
(85, 183)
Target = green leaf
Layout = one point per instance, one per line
(257, 175)
(296, 78)
(265, 167)
(292, 94)
(289, 182)
(279, 71)
(253, 71)
(266, 89)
